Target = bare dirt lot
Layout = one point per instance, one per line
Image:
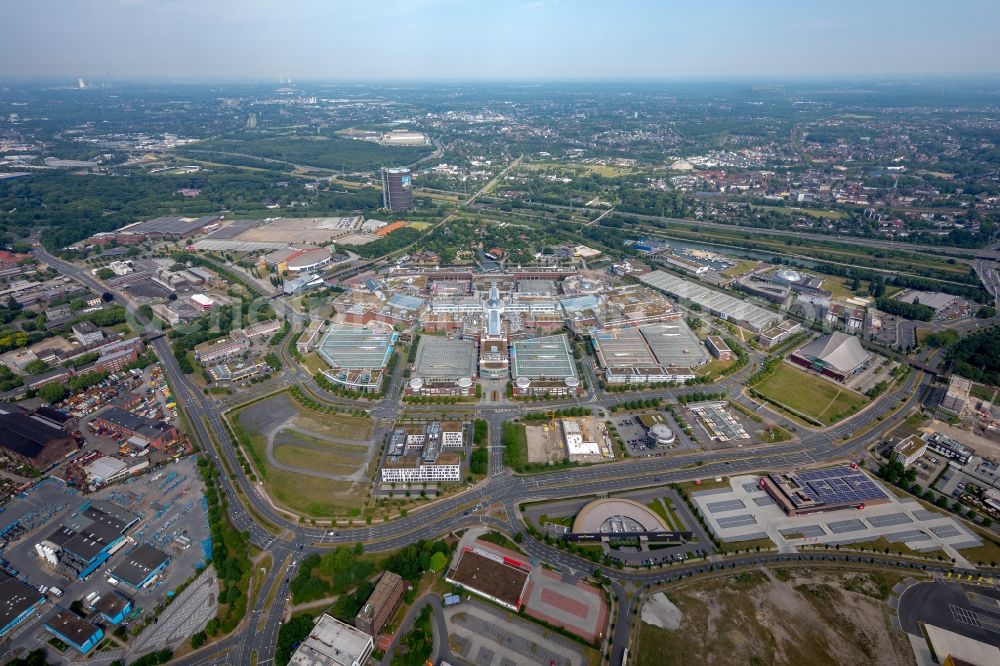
(781, 617)
(545, 444)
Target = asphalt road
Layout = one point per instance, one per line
(259, 633)
(949, 606)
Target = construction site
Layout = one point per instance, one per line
(581, 439)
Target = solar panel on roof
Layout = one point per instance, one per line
(802, 531)
(912, 535)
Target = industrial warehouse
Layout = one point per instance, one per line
(140, 567)
(18, 601)
(724, 306)
(500, 579)
(36, 440)
(87, 539)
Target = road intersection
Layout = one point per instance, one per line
(256, 637)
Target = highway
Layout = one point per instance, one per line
(258, 634)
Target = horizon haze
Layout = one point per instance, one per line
(430, 40)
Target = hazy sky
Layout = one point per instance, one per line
(495, 39)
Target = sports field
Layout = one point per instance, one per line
(822, 399)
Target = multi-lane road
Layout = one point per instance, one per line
(248, 507)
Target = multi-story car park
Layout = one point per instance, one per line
(544, 365)
(661, 352)
(357, 356)
(443, 366)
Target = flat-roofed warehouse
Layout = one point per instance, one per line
(674, 345)
(499, 579)
(140, 566)
(17, 602)
(181, 227)
(548, 357)
(623, 348)
(722, 305)
(933, 299)
(822, 490)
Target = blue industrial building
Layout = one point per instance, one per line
(140, 566)
(17, 602)
(73, 630)
(113, 607)
(88, 538)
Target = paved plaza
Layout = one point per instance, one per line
(487, 636)
(578, 607)
(744, 512)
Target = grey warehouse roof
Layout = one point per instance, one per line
(755, 317)
(674, 345)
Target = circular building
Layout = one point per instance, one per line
(416, 383)
(788, 275)
(310, 259)
(661, 435)
(616, 515)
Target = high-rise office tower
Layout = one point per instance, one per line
(397, 192)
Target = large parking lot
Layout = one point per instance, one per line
(744, 512)
(487, 636)
(637, 443)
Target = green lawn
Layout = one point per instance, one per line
(715, 366)
(741, 268)
(301, 493)
(821, 399)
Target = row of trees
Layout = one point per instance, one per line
(915, 310)
(229, 555)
